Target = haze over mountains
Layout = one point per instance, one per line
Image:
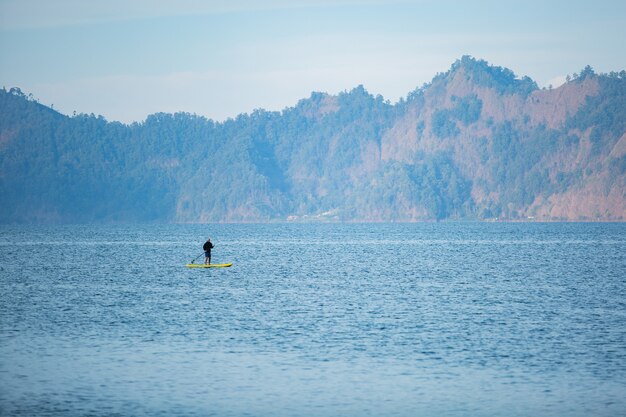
(475, 143)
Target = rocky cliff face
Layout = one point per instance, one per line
(576, 176)
(476, 143)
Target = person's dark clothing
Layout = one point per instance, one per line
(207, 248)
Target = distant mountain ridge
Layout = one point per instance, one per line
(476, 143)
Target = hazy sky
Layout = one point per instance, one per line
(125, 59)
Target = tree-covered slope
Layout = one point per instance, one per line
(475, 143)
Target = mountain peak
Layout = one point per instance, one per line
(468, 146)
(481, 73)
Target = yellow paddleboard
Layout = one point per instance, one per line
(209, 266)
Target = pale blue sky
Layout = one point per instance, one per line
(125, 59)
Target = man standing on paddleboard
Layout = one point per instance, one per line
(207, 251)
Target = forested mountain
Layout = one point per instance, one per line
(475, 143)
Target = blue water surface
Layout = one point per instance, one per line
(448, 319)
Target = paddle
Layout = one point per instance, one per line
(197, 257)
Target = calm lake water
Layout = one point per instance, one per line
(452, 319)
